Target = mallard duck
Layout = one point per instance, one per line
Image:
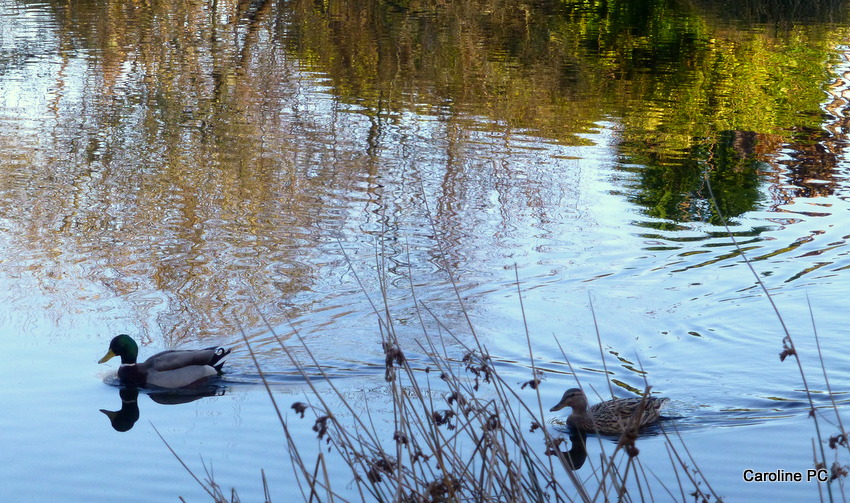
(610, 417)
(168, 369)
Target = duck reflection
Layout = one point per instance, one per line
(577, 454)
(124, 418)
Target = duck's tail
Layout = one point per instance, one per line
(216, 361)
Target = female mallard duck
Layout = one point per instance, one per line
(169, 369)
(610, 417)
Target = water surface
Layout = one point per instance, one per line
(193, 171)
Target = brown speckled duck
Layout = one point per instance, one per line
(168, 369)
(609, 417)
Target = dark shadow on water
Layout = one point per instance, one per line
(652, 430)
(125, 418)
(577, 454)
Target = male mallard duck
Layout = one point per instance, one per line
(610, 417)
(169, 369)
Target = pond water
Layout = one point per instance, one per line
(194, 171)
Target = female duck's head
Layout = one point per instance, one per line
(574, 398)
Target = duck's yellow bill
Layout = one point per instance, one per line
(109, 354)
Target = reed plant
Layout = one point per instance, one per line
(462, 432)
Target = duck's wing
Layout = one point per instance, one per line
(177, 359)
(180, 377)
(650, 410)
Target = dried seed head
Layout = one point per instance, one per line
(553, 446)
(492, 423)
(627, 442)
(379, 466)
(837, 471)
(299, 408)
(533, 384)
(456, 397)
(321, 426)
(787, 348)
(443, 417)
(400, 438)
(417, 455)
(443, 489)
(786, 353)
(838, 439)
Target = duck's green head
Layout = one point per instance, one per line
(124, 346)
